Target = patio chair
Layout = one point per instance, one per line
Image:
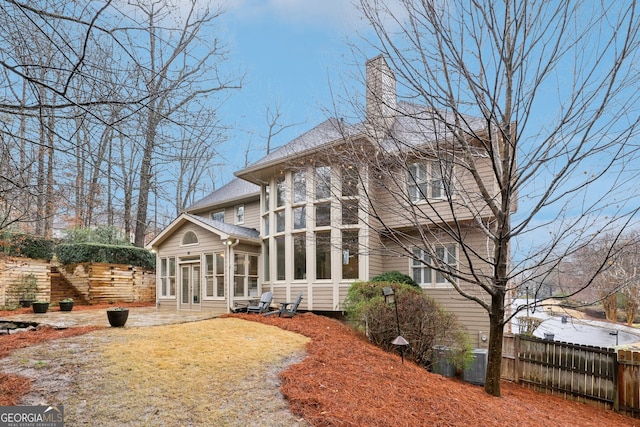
(263, 305)
(290, 309)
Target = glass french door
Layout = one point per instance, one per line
(190, 295)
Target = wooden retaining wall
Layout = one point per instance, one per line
(109, 283)
(12, 271)
(91, 283)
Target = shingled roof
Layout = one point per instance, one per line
(234, 190)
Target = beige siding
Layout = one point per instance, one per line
(391, 205)
(207, 242)
(470, 315)
(252, 215)
(323, 297)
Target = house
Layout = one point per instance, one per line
(296, 220)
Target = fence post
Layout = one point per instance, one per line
(516, 363)
(616, 382)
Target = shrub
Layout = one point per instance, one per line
(423, 323)
(26, 245)
(90, 252)
(395, 277)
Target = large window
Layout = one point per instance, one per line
(214, 275)
(323, 214)
(299, 187)
(280, 192)
(323, 182)
(245, 277)
(349, 182)
(423, 274)
(429, 180)
(349, 212)
(280, 258)
(299, 217)
(299, 256)
(266, 260)
(168, 277)
(350, 256)
(323, 255)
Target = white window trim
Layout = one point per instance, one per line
(218, 212)
(168, 294)
(239, 217)
(196, 243)
(433, 284)
(427, 179)
(205, 277)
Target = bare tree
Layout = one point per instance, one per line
(179, 68)
(528, 113)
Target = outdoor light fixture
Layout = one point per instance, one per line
(390, 298)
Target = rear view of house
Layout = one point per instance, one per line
(304, 218)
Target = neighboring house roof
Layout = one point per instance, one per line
(224, 230)
(235, 190)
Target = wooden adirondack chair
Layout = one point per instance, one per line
(290, 309)
(263, 305)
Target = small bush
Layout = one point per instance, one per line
(423, 323)
(395, 277)
(26, 245)
(89, 252)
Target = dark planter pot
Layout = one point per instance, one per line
(26, 302)
(66, 305)
(40, 307)
(117, 318)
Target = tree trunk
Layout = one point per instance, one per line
(496, 332)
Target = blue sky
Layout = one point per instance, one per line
(294, 53)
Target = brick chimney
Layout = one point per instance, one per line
(381, 95)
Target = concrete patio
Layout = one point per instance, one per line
(138, 316)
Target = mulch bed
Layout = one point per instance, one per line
(346, 381)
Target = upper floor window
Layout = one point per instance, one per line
(266, 189)
(280, 192)
(189, 238)
(423, 274)
(349, 182)
(429, 180)
(218, 216)
(323, 182)
(240, 214)
(299, 187)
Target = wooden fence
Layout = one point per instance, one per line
(583, 373)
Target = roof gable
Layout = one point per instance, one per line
(222, 229)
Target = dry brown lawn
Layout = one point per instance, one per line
(220, 372)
